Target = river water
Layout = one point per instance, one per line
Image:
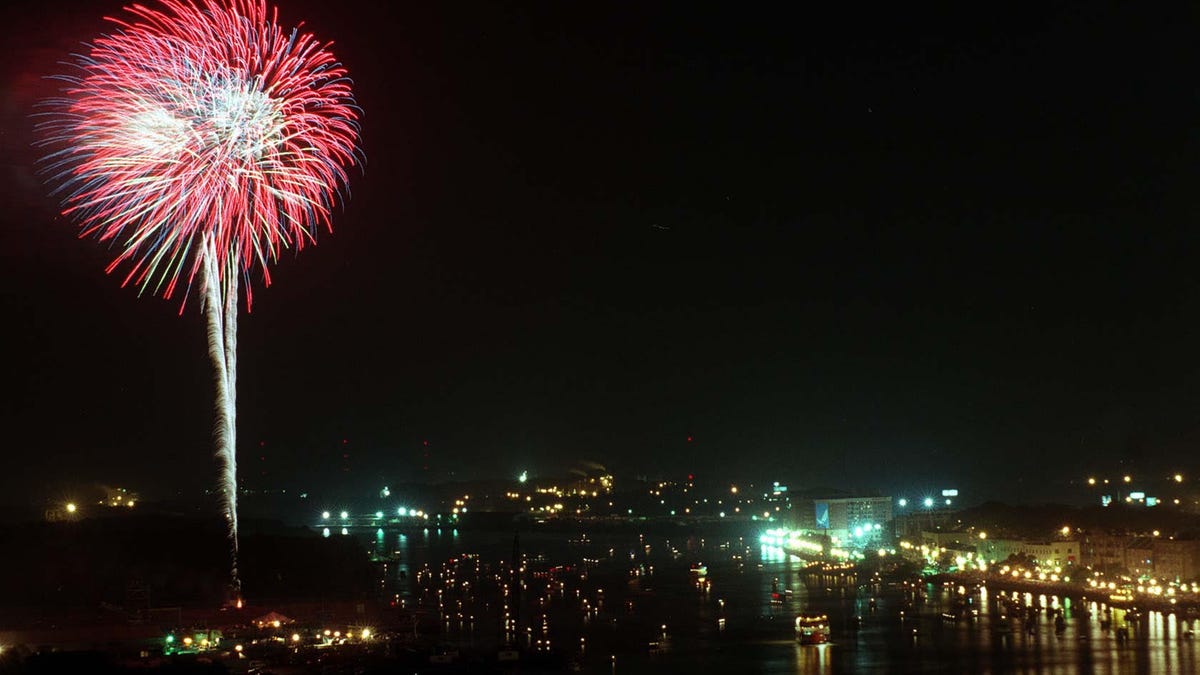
(630, 604)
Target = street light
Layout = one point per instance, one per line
(902, 502)
(929, 502)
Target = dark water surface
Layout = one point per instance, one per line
(630, 604)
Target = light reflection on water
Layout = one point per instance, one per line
(731, 624)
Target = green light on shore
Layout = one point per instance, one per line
(170, 639)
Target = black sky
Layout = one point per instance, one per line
(880, 247)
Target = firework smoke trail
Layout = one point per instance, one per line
(200, 140)
(220, 306)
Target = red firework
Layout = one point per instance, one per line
(199, 128)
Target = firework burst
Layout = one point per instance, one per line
(200, 124)
(200, 140)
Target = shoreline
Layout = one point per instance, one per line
(1159, 603)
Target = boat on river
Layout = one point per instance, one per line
(812, 629)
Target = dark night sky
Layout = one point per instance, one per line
(936, 245)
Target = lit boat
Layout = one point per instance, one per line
(812, 630)
(699, 569)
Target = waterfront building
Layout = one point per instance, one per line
(854, 519)
(1061, 552)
